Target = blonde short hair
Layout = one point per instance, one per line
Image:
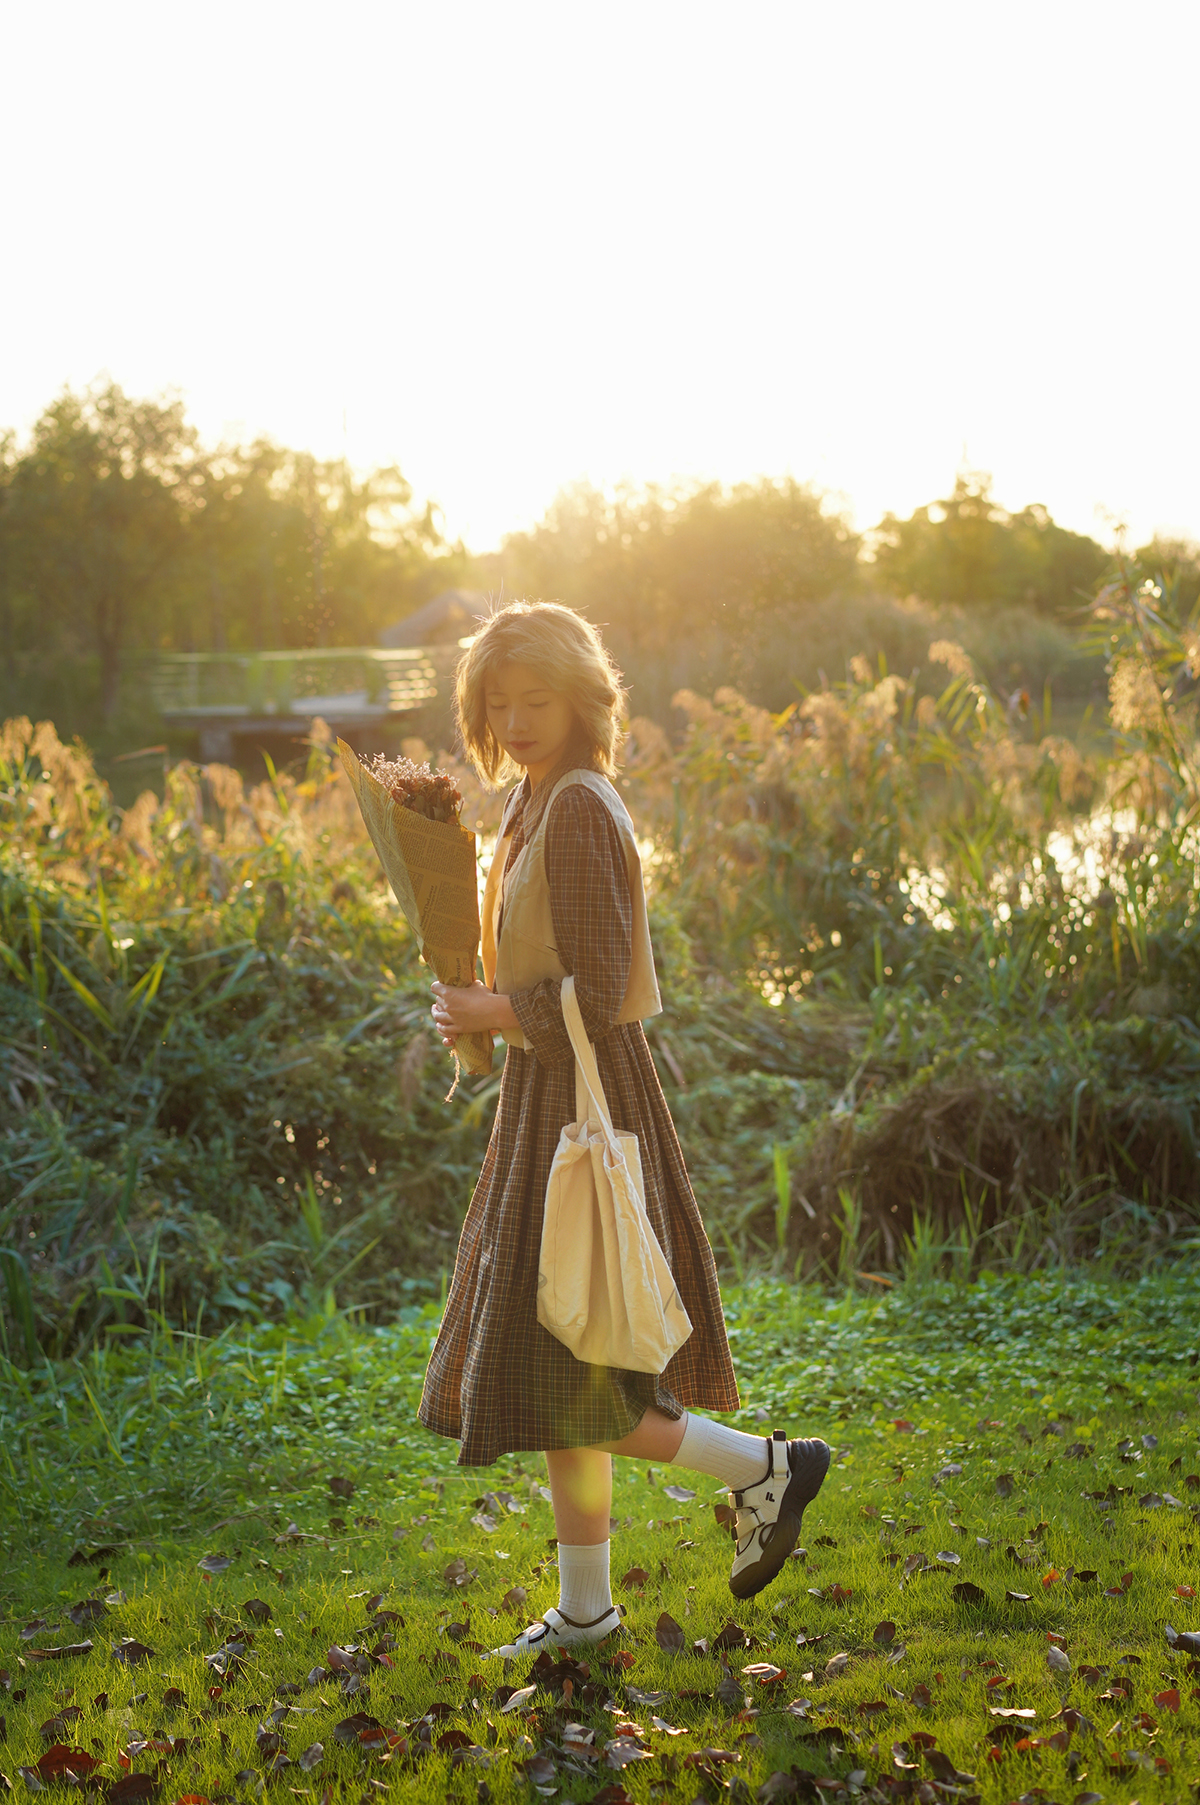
(569, 653)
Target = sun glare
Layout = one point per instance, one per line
(510, 250)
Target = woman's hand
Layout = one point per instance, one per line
(469, 1010)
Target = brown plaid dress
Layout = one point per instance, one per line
(497, 1380)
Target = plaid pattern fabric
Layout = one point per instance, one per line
(497, 1380)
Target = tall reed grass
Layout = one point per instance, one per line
(931, 970)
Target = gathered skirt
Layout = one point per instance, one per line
(497, 1380)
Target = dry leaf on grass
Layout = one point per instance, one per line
(622, 1751)
(516, 1699)
(70, 1651)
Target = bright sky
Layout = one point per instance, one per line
(512, 246)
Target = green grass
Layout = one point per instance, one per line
(166, 1449)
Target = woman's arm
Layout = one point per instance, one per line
(592, 914)
(465, 1011)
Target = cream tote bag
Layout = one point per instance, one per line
(604, 1286)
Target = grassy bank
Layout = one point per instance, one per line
(996, 1444)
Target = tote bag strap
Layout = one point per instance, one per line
(588, 1087)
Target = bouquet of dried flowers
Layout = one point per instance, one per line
(433, 794)
(411, 814)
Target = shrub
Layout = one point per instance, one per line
(932, 975)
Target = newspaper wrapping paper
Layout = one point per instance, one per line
(431, 868)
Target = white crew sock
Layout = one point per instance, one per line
(583, 1579)
(727, 1454)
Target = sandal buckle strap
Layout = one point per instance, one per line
(574, 1622)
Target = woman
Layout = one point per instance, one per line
(537, 693)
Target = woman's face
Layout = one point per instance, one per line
(529, 719)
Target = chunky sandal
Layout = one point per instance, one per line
(768, 1514)
(557, 1630)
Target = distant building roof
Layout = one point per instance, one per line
(451, 615)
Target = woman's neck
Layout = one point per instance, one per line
(574, 754)
(537, 774)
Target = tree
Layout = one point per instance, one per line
(119, 531)
(9, 635)
(286, 551)
(687, 583)
(96, 513)
(968, 551)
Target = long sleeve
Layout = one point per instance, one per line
(592, 912)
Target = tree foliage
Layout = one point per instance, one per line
(289, 551)
(968, 551)
(96, 511)
(688, 583)
(120, 531)
(647, 560)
